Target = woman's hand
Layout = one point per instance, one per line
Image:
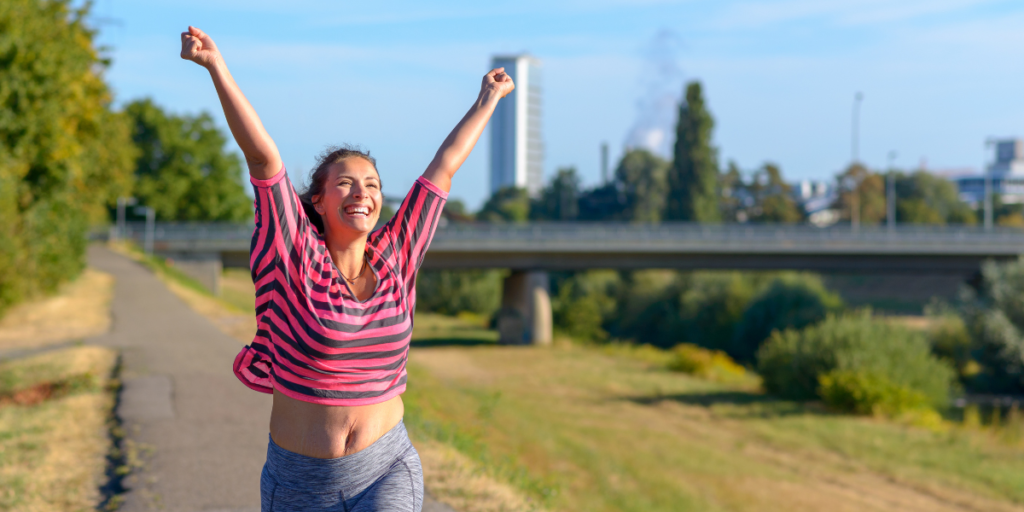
(497, 82)
(198, 47)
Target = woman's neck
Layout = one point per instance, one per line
(347, 251)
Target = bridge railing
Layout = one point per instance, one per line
(622, 232)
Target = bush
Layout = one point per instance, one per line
(452, 291)
(704, 363)
(866, 392)
(792, 362)
(792, 301)
(583, 302)
(712, 304)
(994, 316)
(952, 343)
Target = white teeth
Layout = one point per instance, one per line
(357, 210)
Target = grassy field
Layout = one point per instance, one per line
(607, 428)
(55, 406)
(81, 307)
(54, 414)
(577, 428)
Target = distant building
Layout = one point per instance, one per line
(817, 199)
(517, 148)
(1007, 174)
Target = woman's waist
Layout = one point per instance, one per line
(330, 431)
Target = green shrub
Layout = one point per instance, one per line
(952, 343)
(711, 305)
(646, 307)
(792, 301)
(583, 302)
(866, 392)
(704, 363)
(994, 316)
(450, 292)
(792, 362)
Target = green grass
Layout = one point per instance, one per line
(591, 428)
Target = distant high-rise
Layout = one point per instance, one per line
(517, 149)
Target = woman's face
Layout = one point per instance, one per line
(351, 199)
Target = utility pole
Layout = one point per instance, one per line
(987, 169)
(854, 160)
(122, 225)
(150, 227)
(604, 163)
(890, 194)
(855, 142)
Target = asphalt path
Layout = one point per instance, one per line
(200, 434)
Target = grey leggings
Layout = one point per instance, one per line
(385, 476)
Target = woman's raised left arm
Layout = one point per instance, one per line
(496, 85)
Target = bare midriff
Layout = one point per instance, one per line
(330, 431)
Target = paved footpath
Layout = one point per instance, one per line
(203, 435)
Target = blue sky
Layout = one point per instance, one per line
(938, 76)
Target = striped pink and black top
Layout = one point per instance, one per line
(315, 341)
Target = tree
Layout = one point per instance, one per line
(602, 203)
(772, 197)
(863, 195)
(642, 176)
(64, 154)
(183, 171)
(693, 179)
(994, 316)
(508, 204)
(560, 199)
(765, 198)
(923, 198)
(733, 202)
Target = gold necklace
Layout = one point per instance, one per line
(362, 270)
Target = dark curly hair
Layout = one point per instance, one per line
(318, 177)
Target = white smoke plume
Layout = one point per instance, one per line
(661, 79)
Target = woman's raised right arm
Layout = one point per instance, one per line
(259, 149)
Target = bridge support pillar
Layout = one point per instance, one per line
(525, 316)
(203, 267)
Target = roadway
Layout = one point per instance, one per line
(577, 246)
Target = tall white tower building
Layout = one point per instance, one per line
(517, 149)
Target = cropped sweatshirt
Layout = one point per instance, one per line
(315, 341)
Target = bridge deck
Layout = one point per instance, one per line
(605, 245)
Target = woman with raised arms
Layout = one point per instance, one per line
(334, 307)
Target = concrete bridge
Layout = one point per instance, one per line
(530, 250)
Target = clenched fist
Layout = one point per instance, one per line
(198, 47)
(498, 82)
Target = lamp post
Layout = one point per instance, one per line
(855, 136)
(122, 227)
(890, 194)
(854, 160)
(987, 169)
(150, 226)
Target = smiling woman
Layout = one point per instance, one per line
(334, 307)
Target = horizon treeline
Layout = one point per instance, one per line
(694, 187)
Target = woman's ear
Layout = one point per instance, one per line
(316, 204)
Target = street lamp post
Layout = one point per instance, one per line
(855, 136)
(122, 227)
(855, 159)
(987, 169)
(150, 226)
(890, 194)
